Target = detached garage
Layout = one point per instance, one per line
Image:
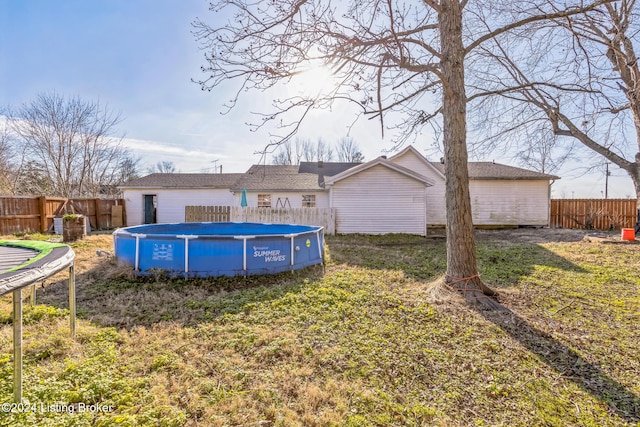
(379, 197)
(162, 197)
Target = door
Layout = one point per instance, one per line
(150, 203)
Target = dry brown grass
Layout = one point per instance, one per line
(373, 340)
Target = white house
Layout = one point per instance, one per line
(501, 195)
(402, 194)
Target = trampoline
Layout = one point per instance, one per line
(23, 263)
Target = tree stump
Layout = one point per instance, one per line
(74, 227)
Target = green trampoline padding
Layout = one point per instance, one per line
(49, 259)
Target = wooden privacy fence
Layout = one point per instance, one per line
(207, 213)
(303, 216)
(597, 214)
(36, 214)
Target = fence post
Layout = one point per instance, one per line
(42, 210)
(96, 204)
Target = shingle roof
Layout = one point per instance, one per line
(278, 182)
(276, 178)
(184, 180)
(273, 169)
(490, 170)
(327, 168)
(306, 177)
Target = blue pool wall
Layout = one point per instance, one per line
(219, 249)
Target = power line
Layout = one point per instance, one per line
(606, 181)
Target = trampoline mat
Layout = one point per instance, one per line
(18, 267)
(11, 257)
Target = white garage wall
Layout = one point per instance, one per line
(379, 201)
(171, 202)
(510, 202)
(436, 213)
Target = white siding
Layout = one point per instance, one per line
(171, 202)
(379, 201)
(510, 202)
(133, 202)
(294, 198)
(436, 214)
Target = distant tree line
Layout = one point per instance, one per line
(64, 147)
(346, 150)
(163, 166)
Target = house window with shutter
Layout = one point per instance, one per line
(264, 200)
(309, 201)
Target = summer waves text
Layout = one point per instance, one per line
(269, 255)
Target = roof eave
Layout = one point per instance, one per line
(514, 178)
(281, 190)
(165, 187)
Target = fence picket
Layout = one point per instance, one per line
(20, 214)
(207, 213)
(598, 214)
(302, 216)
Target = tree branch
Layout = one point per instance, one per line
(537, 18)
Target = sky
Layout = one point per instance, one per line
(139, 58)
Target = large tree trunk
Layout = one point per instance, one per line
(634, 173)
(462, 269)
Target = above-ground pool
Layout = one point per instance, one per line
(209, 249)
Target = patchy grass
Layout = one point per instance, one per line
(358, 344)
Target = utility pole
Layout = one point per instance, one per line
(606, 181)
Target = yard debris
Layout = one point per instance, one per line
(606, 238)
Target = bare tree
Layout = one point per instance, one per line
(164, 166)
(285, 155)
(349, 151)
(544, 153)
(324, 152)
(71, 141)
(585, 90)
(308, 150)
(303, 149)
(128, 169)
(31, 178)
(396, 60)
(5, 163)
(297, 151)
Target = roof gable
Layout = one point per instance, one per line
(379, 161)
(411, 151)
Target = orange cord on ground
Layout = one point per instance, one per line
(453, 280)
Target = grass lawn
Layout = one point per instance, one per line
(362, 342)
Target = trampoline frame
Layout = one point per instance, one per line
(53, 258)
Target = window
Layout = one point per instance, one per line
(264, 200)
(309, 201)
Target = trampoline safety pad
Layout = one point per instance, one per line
(25, 262)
